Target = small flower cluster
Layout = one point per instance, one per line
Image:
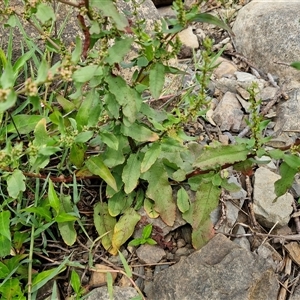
(31, 88)
(3, 94)
(66, 70)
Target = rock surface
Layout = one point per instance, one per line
(265, 37)
(229, 272)
(268, 212)
(125, 293)
(150, 254)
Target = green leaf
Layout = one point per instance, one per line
(5, 246)
(183, 201)
(125, 265)
(9, 101)
(89, 111)
(65, 217)
(40, 133)
(45, 13)
(77, 154)
(83, 137)
(160, 191)
(16, 183)
(157, 79)
(8, 77)
(119, 202)
(12, 289)
(207, 18)
(65, 104)
(42, 72)
(24, 123)
(207, 199)
(131, 173)
(45, 276)
(97, 167)
(21, 61)
(110, 140)
(66, 228)
(211, 158)
(149, 208)
(140, 133)
(150, 157)
(5, 224)
(108, 9)
(76, 54)
(147, 230)
(117, 52)
(53, 198)
(292, 160)
(104, 224)
(287, 174)
(75, 282)
(296, 65)
(85, 74)
(124, 229)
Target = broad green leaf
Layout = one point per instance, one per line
(16, 183)
(110, 140)
(75, 281)
(5, 246)
(9, 101)
(45, 276)
(287, 174)
(66, 229)
(117, 52)
(45, 13)
(65, 104)
(5, 224)
(179, 175)
(85, 74)
(124, 229)
(40, 133)
(276, 154)
(149, 208)
(65, 217)
(3, 59)
(24, 123)
(131, 173)
(292, 160)
(207, 18)
(211, 158)
(183, 202)
(42, 72)
(89, 111)
(119, 202)
(84, 136)
(53, 198)
(150, 157)
(207, 199)
(113, 157)
(125, 265)
(157, 79)
(77, 154)
(160, 191)
(104, 224)
(4, 271)
(140, 133)
(77, 51)
(230, 186)
(8, 77)
(12, 289)
(97, 167)
(108, 9)
(21, 61)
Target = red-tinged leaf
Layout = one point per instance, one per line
(160, 191)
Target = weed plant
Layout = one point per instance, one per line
(71, 114)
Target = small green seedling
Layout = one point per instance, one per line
(145, 239)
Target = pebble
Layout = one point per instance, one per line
(150, 254)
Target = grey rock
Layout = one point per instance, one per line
(263, 35)
(296, 187)
(267, 211)
(150, 254)
(296, 294)
(242, 241)
(220, 270)
(125, 293)
(268, 93)
(225, 67)
(228, 114)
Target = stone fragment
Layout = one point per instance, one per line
(268, 93)
(267, 211)
(296, 187)
(189, 42)
(293, 248)
(267, 252)
(99, 278)
(220, 270)
(243, 93)
(263, 36)
(225, 67)
(228, 114)
(150, 254)
(120, 293)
